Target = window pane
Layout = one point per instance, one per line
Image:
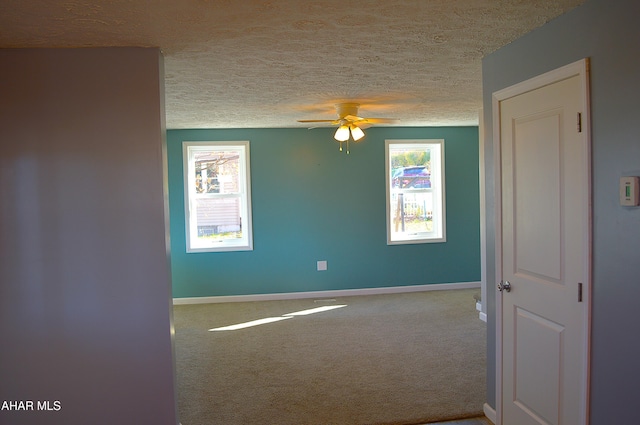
(218, 219)
(410, 167)
(412, 213)
(217, 171)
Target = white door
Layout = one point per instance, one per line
(545, 216)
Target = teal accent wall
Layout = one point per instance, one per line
(311, 202)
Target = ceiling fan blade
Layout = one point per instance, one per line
(352, 118)
(331, 121)
(320, 126)
(378, 120)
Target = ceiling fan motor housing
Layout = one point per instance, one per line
(344, 109)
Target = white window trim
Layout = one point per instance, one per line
(246, 244)
(418, 239)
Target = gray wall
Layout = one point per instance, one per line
(85, 302)
(607, 32)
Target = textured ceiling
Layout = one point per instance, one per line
(268, 63)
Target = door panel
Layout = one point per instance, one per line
(537, 365)
(536, 216)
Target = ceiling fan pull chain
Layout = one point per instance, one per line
(347, 146)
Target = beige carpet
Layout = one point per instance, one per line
(383, 359)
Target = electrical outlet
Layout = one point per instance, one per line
(322, 265)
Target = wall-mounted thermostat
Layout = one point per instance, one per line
(629, 191)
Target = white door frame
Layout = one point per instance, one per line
(581, 69)
(483, 227)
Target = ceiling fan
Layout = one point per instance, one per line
(349, 123)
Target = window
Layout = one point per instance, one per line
(217, 196)
(415, 191)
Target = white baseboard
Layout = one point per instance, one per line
(326, 294)
(489, 412)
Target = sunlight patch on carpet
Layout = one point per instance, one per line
(314, 310)
(277, 319)
(250, 324)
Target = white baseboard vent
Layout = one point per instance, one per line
(489, 412)
(326, 294)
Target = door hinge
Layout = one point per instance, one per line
(579, 122)
(579, 292)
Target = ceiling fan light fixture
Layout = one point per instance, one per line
(342, 133)
(356, 132)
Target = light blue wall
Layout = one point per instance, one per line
(85, 301)
(608, 32)
(312, 202)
